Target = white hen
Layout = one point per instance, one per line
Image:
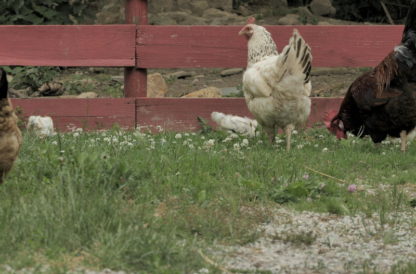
(237, 124)
(277, 86)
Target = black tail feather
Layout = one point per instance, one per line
(409, 32)
(3, 84)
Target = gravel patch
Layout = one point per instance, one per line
(308, 242)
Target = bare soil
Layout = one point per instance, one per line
(326, 82)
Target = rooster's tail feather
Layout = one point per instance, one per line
(410, 24)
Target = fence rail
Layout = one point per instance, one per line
(137, 47)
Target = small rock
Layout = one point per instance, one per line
(195, 81)
(180, 74)
(229, 72)
(17, 93)
(230, 91)
(322, 8)
(290, 19)
(156, 86)
(118, 78)
(88, 95)
(323, 23)
(209, 92)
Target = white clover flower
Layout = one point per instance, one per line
(233, 135)
(294, 132)
(237, 146)
(163, 141)
(279, 141)
(316, 145)
(54, 142)
(299, 146)
(383, 153)
(210, 143)
(186, 134)
(244, 143)
(203, 137)
(178, 136)
(325, 149)
(227, 139)
(191, 146)
(75, 134)
(260, 142)
(321, 136)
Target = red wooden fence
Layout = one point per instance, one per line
(137, 46)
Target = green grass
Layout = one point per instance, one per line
(147, 203)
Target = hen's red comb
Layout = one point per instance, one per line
(251, 20)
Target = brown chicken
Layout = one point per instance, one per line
(10, 135)
(382, 102)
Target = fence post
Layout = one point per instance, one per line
(135, 79)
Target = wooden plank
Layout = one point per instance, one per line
(86, 113)
(77, 45)
(135, 82)
(176, 114)
(136, 12)
(220, 46)
(135, 79)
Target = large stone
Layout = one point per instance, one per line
(156, 86)
(51, 89)
(198, 7)
(111, 13)
(226, 5)
(322, 8)
(162, 5)
(290, 19)
(176, 18)
(220, 17)
(209, 92)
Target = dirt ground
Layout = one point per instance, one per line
(326, 82)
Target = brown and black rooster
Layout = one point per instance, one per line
(382, 102)
(10, 135)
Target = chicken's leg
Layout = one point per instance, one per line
(271, 133)
(288, 131)
(403, 138)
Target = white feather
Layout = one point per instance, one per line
(42, 126)
(237, 124)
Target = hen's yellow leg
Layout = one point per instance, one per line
(403, 138)
(288, 131)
